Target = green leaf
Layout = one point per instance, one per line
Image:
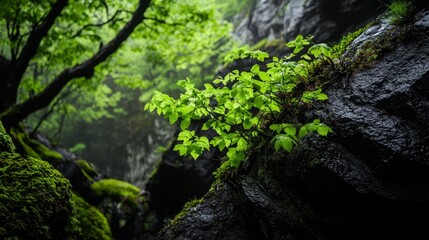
(173, 117)
(283, 141)
(185, 123)
(242, 144)
(182, 149)
(247, 123)
(255, 69)
(194, 155)
(291, 131)
(277, 145)
(264, 76)
(322, 97)
(259, 101)
(303, 131)
(323, 130)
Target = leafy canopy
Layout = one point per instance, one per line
(177, 38)
(244, 104)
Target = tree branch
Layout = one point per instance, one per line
(33, 42)
(18, 112)
(113, 19)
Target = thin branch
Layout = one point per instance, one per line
(33, 42)
(103, 2)
(51, 109)
(110, 20)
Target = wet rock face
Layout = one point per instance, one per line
(284, 19)
(219, 217)
(370, 180)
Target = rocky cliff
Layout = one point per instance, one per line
(179, 180)
(284, 19)
(369, 180)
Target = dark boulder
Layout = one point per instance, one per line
(179, 179)
(370, 180)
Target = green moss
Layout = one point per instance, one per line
(32, 147)
(35, 200)
(20, 138)
(6, 143)
(93, 223)
(44, 152)
(117, 190)
(87, 169)
(339, 48)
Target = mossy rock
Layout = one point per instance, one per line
(35, 200)
(6, 143)
(93, 223)
(117, 190)
(44, 152)
(87, 169)
(32, 147)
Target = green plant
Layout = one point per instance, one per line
(246, 104)
(339, 48)
(399, 11)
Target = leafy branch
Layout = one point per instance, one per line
(238, 105)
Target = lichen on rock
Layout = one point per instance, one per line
(35, 200)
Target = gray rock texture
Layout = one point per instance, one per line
(284, 19)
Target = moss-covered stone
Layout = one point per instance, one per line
(19, 138)
(6, 143)
(93, 223)
(44, 152)
(32, 147)
(35, 200)
(117, 190)
(89, 171)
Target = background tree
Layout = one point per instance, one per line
(46, 44)
(175, 40)
(31, 32)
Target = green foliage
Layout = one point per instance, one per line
(117, 190)
(399, 10)
(178, 39)
(35, 200)
(93, 223)
(229, 107)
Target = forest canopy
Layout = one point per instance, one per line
(69, 57)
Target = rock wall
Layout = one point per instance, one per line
(284, 19)
(179, 180)
(370, 180)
